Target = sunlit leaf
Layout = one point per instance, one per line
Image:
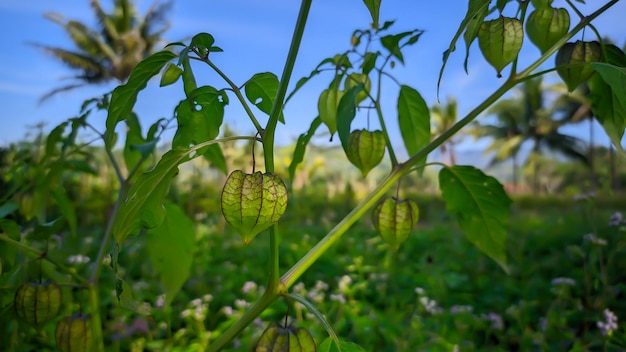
(171, 247)
(414, 120)
(124, 97)
(301, 144)
(261, 91)
(481, 207)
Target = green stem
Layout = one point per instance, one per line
(35, 253)
(108, 234)
(96, 321)
(240, 97)
(277, 107)
(270, 131)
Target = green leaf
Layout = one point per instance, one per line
(608, 109)
(261, 91)
(124, 97)
(328, 345)
(7, 208)
(199, 117)
(392, 43)
(414, 120)
(472, 28)
(374, 8)
(475, 9)
(143, 206)
(615, 77)
(171, 246)
(189, 80)
(127, 299)
(345, 114)
(133, 137)
(369, 62)
(302, 81)
(481, 207)
(54, 137)
(214, 155)
(44, 231)
(301, 144)
(65, 206)
(10, 229)
(202, 42)
(171, 74)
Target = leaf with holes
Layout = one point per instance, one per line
(261, 91)
(481, 208)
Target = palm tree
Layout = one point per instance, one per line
(525, 118)
(112, 50)
(443, 117)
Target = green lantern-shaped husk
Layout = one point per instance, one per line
(327, 106)
(546, 25)
(253, 202)
(579, 54)
(38, 303)
(395, 219)
(366, 149)
(73, 334)
(500, 41)
(285, 339)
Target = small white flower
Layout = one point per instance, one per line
(160, 301)
(241, 304)
(496, 320)
(228, 311)
(616, 219)
(207, 298)
(321, 285)
(459, 309)
(590, 237)
(338, 298)
(195, 302)
(420, 291)
(609, 324)
(249, 286)
(566, 281)
(344, 283)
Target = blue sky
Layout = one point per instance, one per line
(255, 36)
